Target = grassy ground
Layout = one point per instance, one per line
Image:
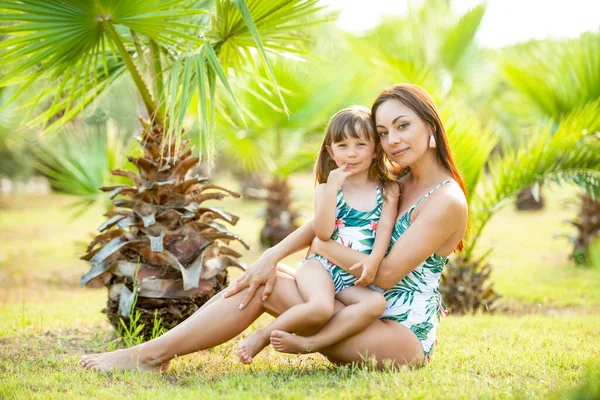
(546, 345)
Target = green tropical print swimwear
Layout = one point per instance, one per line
(354, 229)
(415, 301)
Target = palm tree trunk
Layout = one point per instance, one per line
(588, 228)
(280, 218)
(526, 201)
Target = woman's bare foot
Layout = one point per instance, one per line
(251, 346)
(121, 359)
(285, 342)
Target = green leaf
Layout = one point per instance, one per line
(422, 330)
(245, 12)
(567, 155)
(397, 318)
(368, 242)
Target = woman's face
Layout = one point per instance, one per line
(404, 135)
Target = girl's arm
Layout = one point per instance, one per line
(263, 270)
(325, 202)
(442, 217)
(385, 226)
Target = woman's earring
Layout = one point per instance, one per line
(432, 142)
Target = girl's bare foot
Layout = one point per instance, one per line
(130, 359)
(251, 346)
(285, 342)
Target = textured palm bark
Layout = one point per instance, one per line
(160, 240)
(588, 228)
(527, 202)
(280, 219)
(466, 286)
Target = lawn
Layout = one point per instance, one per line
(546, 344)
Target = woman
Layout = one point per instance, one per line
(431, 223)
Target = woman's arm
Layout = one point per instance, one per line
(263, 270)
(385, 226)
(442, 217)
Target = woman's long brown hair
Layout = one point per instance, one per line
(417, 99)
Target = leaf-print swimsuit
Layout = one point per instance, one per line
(415, 301)
(354, 229)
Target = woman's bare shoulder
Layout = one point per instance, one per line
(449, 201)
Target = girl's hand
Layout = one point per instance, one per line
(369, 265)
(337, 176)
(262, 271)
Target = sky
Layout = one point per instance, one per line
(505, 22)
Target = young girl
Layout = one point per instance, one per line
(356, 205)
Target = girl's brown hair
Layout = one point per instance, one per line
(419, 101)
(355, 122)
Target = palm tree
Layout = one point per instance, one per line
(430, 47)
(78, 160)
(14, 143)
(554, 89)
(561, 154)
(158, 236)
(274, 144)
(437, 50)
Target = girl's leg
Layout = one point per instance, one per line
(364, 306)
(316, 288)
(215, 323)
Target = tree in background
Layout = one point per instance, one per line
(555, 78)
(562, 154)
(158, 237)
(430, 47)
(275, 145)
(79, 159)
(435, 49)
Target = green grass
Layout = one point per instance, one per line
(546, 345)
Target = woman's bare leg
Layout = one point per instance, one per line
(389, 342)
(214, 324)
(386, 340)
(364, 306)
(316, 288)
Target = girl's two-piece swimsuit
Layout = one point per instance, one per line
(415, 301)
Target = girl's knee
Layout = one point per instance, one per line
(376, 303)
(319, 312)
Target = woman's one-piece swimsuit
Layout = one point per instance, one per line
(415, 301)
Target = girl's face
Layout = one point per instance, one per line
(404, 135)
(357, 153)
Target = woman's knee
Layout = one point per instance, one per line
(284, 296)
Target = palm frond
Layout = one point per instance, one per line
(71, 44)
(459, 39)
(301, 160)
(230, 44)
(78, 161)
(269, 140)
(471, 143)
(586, 179)
(568, 153)
(429, 47)
(556, 76)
